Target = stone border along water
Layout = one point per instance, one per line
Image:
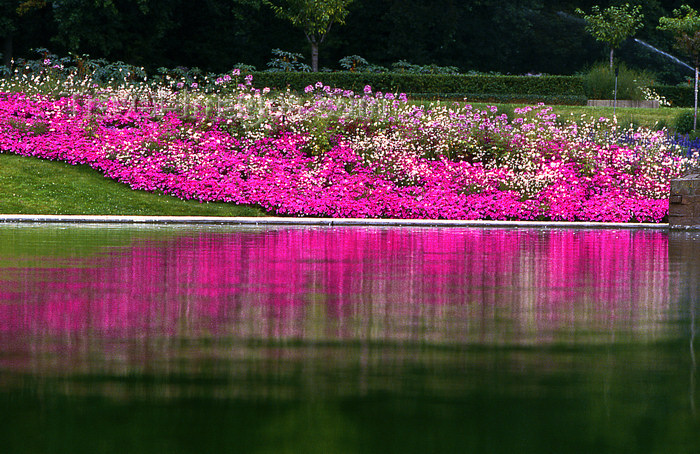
(292, 221)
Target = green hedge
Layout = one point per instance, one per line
(677, 96)
(570, 100)
(535, 88)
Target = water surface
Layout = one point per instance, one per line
(335, 340)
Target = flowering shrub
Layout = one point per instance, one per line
(651, 95)
(332, 152)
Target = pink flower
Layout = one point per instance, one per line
(400, 168)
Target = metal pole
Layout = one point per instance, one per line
(617, 72)
(695, 112)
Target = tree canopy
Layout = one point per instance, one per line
(314, 17)
(504, 36)
(685, 27)
(614, 24)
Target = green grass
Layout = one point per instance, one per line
(651, 118)
(34, 186)
(626, 116)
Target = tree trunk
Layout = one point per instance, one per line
(7, 51)
(314, 57)
(611, 58)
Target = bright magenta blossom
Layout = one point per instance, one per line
(346, 155)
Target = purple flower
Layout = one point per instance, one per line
(397, 167)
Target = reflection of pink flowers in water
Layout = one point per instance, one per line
(445, 285)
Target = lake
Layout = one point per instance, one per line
(213, 339)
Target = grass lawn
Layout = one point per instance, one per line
(651, 118)
(626, 116)
(34, 186)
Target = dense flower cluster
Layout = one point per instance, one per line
(331, 152)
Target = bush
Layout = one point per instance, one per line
(353, 63)
(570, 100)
(599, 83)
(474, 87)
(287, 61)
(402, 66)
(677, 95)
(684, 122)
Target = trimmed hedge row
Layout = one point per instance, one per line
(570, 100)
(677, 96)
(535, 88)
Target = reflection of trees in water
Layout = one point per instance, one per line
(350, 297)
(450, 330)
(684, 264)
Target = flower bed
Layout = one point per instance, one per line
(336, 153)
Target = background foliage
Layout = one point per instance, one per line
(552, 89)
(508, 37)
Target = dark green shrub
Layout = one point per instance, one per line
(402, 66)
(571, 100)
(439, 85)
(353, 63)
(244, 68)
(684, 122)
(599, 83)
(677, 95)
(287, 61)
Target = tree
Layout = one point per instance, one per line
(10, 13)
(685, 27)
(95, 26)
(8, 28)
(613, 25)
(314, 17)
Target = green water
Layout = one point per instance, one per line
(347, 340)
